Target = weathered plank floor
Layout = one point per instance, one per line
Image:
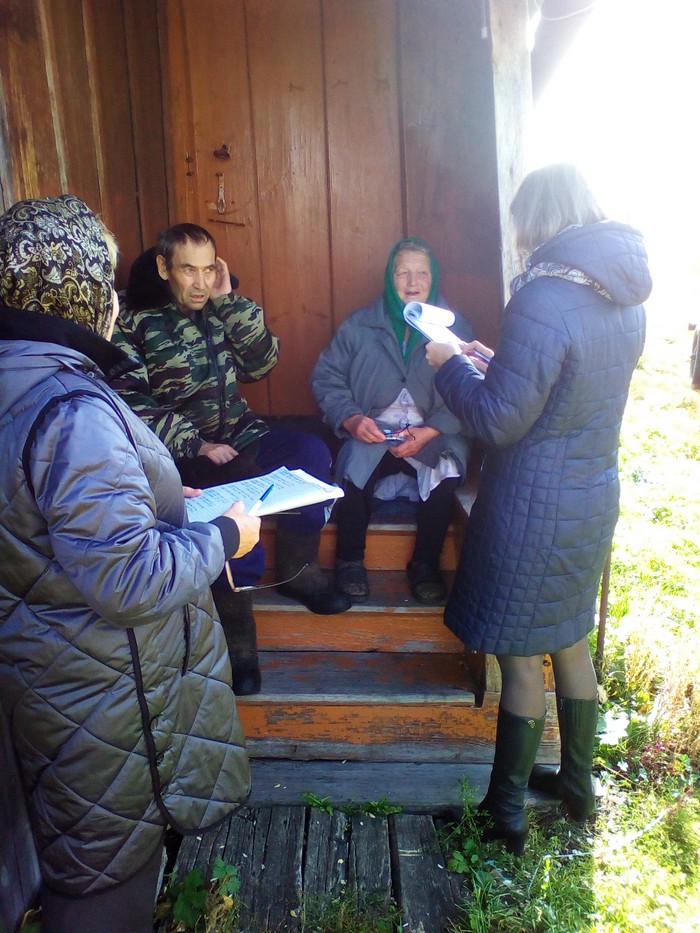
(290, 857)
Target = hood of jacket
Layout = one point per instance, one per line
(33, 346)
(610, 252)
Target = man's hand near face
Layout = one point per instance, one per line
(222, 282)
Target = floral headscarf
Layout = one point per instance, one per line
(54, 260)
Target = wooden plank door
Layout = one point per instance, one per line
(309, 135)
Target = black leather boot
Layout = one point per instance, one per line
(572, 782)
(502, 811)
(311, 587)
(238, 622)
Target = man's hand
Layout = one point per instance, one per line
(222, 282)
(248, 527)
(189, 492)
(364, 429)
(412, 445)
(218, 453)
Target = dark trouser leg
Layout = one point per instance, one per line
(353, 511)
(127, 906)
(238, 622)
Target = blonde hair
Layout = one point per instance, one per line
(549, 200)
(110, 242)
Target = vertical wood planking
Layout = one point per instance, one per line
(285, 49)
(33, 157)
(451, 192)
(508, 23)
(222, 104)
(177, 110)
(363, 147)
(109, 89)
(70, 77)
(145, 84)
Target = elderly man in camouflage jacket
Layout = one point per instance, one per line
(193, 342)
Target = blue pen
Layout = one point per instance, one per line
(479, 355)
(262, 498)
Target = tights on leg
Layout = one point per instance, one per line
(522, 690)
(353, 511)
(574, 675)
(432, 520)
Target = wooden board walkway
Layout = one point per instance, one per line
(292, 857)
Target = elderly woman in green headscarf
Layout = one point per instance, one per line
(114, 675)
(377, 392)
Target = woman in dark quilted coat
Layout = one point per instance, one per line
(114, 673)
(548, 411)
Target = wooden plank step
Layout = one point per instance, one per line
(381, 678)
(389, 546)
(355, 631)
(367, 706)
(418, 787)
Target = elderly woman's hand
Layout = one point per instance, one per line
(439, 353)
(416, 439)
(364, 429)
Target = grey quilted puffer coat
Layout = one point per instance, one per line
(114, 673)
(549, 412)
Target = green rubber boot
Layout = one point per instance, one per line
(572, 782)
(503, 808)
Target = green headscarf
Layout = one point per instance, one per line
(392, 302)
(54, 259)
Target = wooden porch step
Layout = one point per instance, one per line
(390, 537)
(369, 706)
(391, 620)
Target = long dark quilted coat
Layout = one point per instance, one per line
(549, 411)
(114, 674)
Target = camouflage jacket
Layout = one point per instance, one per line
(184, 385)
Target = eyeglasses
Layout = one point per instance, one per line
(261, 586)
(393, 435)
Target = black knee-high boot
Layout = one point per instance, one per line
(238, 622)
(517, 741)
(310, 587)
(572, 782)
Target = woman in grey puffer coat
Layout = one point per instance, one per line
(114, 672)
(549, 412)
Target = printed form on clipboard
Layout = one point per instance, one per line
(280, 491)
(433, 322)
